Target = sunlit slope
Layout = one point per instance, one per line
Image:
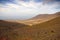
(37, 19)
(49, 30)
(41, 18)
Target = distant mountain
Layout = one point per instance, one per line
(42, 18)
(37, 19)
(58, 13)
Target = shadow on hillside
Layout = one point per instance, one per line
(11, 24)
(6, 30)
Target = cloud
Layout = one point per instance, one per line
(37, 1)
(6, 1)
(17, 11)
(24, 9)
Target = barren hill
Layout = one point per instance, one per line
(46, 16)
(7, 29)
(47, 30)
(37, 19)
(41, 18)
(50, 29)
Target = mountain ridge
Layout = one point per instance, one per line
(48, 30)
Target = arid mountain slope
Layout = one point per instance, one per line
(41, 18)
(46, 16)
(49, 30)
(37, 19)
(7, 29)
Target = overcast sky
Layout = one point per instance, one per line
(24, 9)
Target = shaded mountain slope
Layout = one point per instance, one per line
(10, 24)
(7, 30)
